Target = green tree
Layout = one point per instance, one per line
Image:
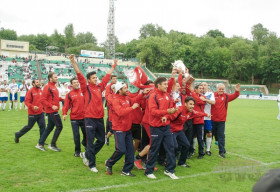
(70, 40)
(8, 34)
(29, 38)
(83, 38)
(200, 61)
(215, 33)
(151, 30)
(155, 52)
(270, 68)
(242, 53)
(58, 40)
(259, 33)
(42, 41)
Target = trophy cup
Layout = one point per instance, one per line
(178, 64)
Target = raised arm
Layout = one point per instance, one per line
(106, 79)
(236, 94)
(81, 78)
(74, 64)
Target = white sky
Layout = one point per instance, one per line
(232, 17)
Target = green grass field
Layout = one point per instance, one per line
(252, 141)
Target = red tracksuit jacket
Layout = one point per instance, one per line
(181, 116)
(93, 96)
(50, 97)
(75, 100)
(110, 100)
(145, 104)
(33, 98)
(122, 112)
(108, 91)
(158, 104)
(137, 113)
(219, 110)
(199, 107)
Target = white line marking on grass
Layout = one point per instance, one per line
(272, 163)
(248, 158)
(143, 182)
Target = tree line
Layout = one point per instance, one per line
(209, 56)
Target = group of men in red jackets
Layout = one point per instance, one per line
(158, 118)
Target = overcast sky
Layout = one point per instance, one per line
(232, 17)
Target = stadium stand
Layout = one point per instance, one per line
(23, 69)
(252, 89)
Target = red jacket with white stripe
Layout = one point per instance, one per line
(122, 112)
(50, 97)
(181, 116)
(93, 96)
(33, 98)
(75, 100)
(110, 99)
(145, 104)
(199, 107)
(137, 113)
(108, 91)
(219, 110)
(158, 104)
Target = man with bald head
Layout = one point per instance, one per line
(219, 114)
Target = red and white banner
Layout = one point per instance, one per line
(138, 78)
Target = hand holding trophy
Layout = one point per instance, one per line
(178, 64)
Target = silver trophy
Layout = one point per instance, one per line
(178, 64)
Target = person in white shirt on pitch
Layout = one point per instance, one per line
(63, 90)
(278, 100)
(4, 88)
(210, 100)
(23, 88)
(13, 89)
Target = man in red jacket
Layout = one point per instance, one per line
(160, 105)
(219, 114)
(35, 110)
(50, 100)
(198, 122)
(178, 120)
(94, 112)
(109, 100)
(74, 100)
(123, 108)
(108, 92)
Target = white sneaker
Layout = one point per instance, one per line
(151, 176)
(82, 155)
(40, 147)
(85, 160)
(94, 170)
(54, 148)
(171, 175)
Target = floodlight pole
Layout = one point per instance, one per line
(110, 43)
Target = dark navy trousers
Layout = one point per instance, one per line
(198, 130)
(32, 119)
(161, 135)
(180, 139)
(53, 120)
(76, 134)
(218, 129)
(124, 146)
(94, 129)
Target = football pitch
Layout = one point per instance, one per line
(252, 144)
